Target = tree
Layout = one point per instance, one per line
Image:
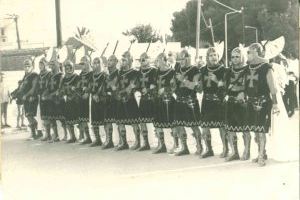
(273, 18)
(143, 33)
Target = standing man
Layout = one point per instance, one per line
(164, 102)
(5, 98)
(28, 93)
(111, 111)
(147, 79)
(212, 108)
(235, 108)
(55, 100)
(186, 108)
(260, 92)
(85, 77)
(128, 112)
(44, 104)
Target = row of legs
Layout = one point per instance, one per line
(229, 139)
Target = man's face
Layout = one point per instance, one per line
(252, 54)
(124, 63)
(42, 66)
(213, 58)
(27, 66)
(183, 60)
(68, 69)
(53, 65)
(171, 57)
(236, 58)
(144, 61)
(111, 62)
(96, 64)
(84, 64)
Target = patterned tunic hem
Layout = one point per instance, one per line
(185, 123)
(257, 129)
(163, 125)
(234, 128)
(212, 124)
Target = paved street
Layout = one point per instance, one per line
(38, 170)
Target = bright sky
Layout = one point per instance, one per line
(106, 19)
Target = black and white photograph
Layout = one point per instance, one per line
(149, 100)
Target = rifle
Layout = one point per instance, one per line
(103, 52)
(116, 47)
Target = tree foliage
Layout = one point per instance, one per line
(143, 33)
(272, 18)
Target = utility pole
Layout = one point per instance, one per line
(198, 28)
(58, 24)
(15, 18)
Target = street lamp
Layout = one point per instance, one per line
(256, 32)
(226, 46)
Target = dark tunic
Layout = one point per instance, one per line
(111, 104)
(69, 91)
(44, 104)
(186, 108)
(56, 101)
(83, 86)
(147, 78)
(235, 111)
(26, 88)
(212, 107)
(258, 97)
(165, 102)
(128, 111)
(97, 88)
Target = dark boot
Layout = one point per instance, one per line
(72, 135)
(108, 140)
(175, 143)
(137, 143)
(124, 145)
(39, 134)
(161, 148)
(88, 139)
(198, 144)
(184, 148)
(234, 148)
(33, 133)
(209, 151)
(225, 146)
(146, 145)
(97, 141)
(247, 144)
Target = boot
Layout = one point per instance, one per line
(55, 137)
(198, 144)
(108, 140)
(161, 148)
(47, 136)
(247, 144)
(124, 144)
(209, 151)
(175, 143)
(81, 134)
(98, 141)
(225, 146)
(234, 147)
(184, 148)
(33, 134)
(72, 135)
(137, 143)
(264, 157)
(88, 139)
(146, 145)
(39, 134)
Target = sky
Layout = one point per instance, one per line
(106, 19)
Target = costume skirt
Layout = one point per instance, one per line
(56, 109)
(146, 110)
(212, 112)
(30, 107)
(164, 112)
(98, 113)
(71, 112)
(186, 111)
(128, 112)
(111, 110)
(235, 116)
(84, 110)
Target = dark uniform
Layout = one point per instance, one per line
(111, 112)
(128, 111)
(83, 84)
(212, 107)
(258, 96)
(186, 111)
(147, 78)
(44, 104)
